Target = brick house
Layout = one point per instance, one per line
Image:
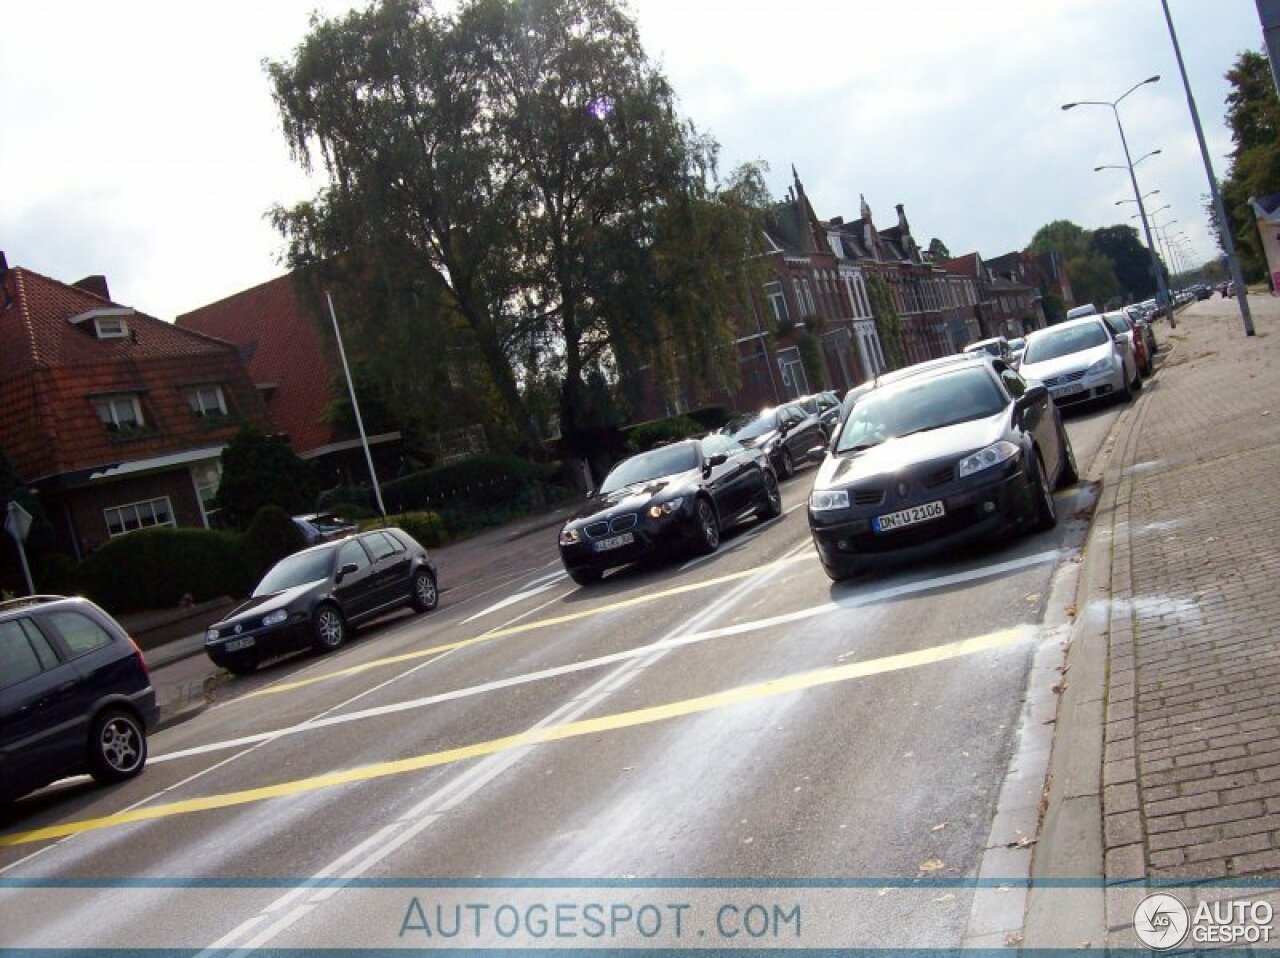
(116, 419)
(294, 365)
(971, 269)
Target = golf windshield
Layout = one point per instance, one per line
(919, 406)
(296, 570)
(752, 426)
(668, 461)
(1064, 342)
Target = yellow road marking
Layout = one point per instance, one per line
(606, 723)
(524, 627)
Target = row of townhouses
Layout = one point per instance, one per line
(117, 419)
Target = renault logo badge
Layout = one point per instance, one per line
(238, 628)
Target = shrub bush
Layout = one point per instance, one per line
(478, 482)
(649, 434)
(271, 536)
(427, 527)
(155, 568)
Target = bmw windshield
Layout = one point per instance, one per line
(752, 426)
(668, 461)
(918, 406)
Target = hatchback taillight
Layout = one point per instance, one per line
(141, 661)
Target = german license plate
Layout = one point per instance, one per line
(1057, 392)
(235, 645)
(910, 517)
(614, 542)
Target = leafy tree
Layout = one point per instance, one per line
(1130, 260)
(1093, 280)
(938, 250)
(1253, 114)
(1061, 235)
(260, 470)
(517, 168)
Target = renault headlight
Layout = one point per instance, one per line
(276, 617)
(825, 500)
(993, 455)
(570, 537)
(660, 509)
(1101, 366)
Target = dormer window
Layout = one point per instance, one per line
(207, 400)
(110, 327)
(120, 413)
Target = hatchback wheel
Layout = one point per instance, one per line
(1046, 510)
(772, 507)
(788, 467)
(708, 527)
(330, 631)
(425, 594)
(117, 746)
(1069, 474)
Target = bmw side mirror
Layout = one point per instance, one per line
(347, 570)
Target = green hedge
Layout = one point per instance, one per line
(481, 482)
(155, 568)
(427, 527)
(649, 434)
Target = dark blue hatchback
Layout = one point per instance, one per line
(75, 695)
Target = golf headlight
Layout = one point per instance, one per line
(276, 617)
(993, 455)
(1101, 366)
(211, 635)
(824, 500)
(569, 537)
(660, 509)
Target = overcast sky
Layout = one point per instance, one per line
(139, 139)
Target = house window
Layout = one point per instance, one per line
(120, 413)
(110, 327)
(138, 515)
(207, 476)
(777, 302)
(207, 401)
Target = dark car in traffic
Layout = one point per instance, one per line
(311, 598)
(786, 434)
(673, 499)
(965, 451)
(75, 695)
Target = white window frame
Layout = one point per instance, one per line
(110, 327)
(197, 395)
(208, 503)
(108, 404)
(777, 301)
(143, 511)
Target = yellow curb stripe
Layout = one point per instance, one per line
(524, 627)
(607, 723)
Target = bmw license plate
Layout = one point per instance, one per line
(614, 542)
(909, 517)
(1057, 392)
(235, 645)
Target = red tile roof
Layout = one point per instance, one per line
(281, 334)
(50, 369)
(966, 265)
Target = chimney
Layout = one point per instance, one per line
(96, 285)
(837, 221)
(902, 220)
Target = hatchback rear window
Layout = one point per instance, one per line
(80, 632)
(18, 658)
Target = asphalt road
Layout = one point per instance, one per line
(737, 717)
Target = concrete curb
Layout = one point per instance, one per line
(1071, 840)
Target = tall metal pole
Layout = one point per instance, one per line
(1224, 225)
(351, 388)
(1162, 291)
(1269, 14)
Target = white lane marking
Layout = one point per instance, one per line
(663, 645)
(528, 592)
(471, 780)
(799, 505)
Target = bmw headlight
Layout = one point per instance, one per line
(993, 455)
(276, 617)
(570, 537)
(1101, 366)
(824, 500)
(660, 509)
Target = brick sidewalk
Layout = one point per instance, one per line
(1191, 767)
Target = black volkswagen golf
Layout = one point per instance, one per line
(310, 598)
(675, 498)
(968, 451)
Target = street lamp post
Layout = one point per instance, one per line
(1224, 225)
(1162, 292)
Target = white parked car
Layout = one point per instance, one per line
(1080, 360)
